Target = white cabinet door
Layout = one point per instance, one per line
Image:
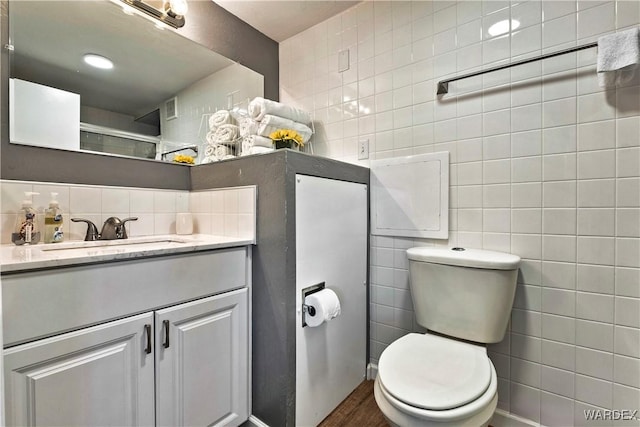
(99, 376)
(202, 362)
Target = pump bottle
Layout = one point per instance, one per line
(26, 232)
(53, 222)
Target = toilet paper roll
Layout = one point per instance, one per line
(326, 305)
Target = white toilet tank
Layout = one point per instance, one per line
(464, 293)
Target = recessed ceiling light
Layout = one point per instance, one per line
(503, 27)
(98, 61)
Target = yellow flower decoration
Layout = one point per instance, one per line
(183, 158)
(287, 135)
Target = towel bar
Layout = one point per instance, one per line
(443, 85)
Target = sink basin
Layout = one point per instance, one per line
(117, 245)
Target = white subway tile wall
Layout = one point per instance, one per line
(544, 164)
(232, 214)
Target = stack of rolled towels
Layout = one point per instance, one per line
(222, 137)
(265, 117)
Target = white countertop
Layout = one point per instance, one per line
(30, 257)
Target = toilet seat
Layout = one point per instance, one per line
(436, 378)
(477, 413)
(432, 372)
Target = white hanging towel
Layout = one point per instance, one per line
(618, 57)
(259, 107)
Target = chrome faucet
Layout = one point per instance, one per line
(112, 229)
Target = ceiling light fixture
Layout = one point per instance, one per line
(128, 10)
(170, 12)
(98, 61)
(503, 27)
(176, 8)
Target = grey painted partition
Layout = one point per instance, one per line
(274, 267)
(207, 24)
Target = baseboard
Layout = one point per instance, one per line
(372, 371)
(256, 422)
(504, 419)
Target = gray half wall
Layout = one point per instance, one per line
(207, 24)
(274, 269)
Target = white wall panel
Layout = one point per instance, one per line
(331, 247)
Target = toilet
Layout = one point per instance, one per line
(463, 297)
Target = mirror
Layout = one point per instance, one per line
(153, 100)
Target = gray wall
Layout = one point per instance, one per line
(207, 24)
(274, 266)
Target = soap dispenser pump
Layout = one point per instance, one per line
(53, 222)
(26, 232)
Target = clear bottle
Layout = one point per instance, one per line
(53, 222)
(26, 232)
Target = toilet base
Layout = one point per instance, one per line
(397, 418)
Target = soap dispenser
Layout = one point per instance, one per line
(53, 222)
(26, 232)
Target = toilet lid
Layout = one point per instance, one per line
(432, 372)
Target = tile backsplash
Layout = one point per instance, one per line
(544, 164)
(224, 211)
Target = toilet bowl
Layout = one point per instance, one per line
(428, 380)
(463, 297)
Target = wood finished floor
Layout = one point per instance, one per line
(358, 409)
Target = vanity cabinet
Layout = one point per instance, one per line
(179, 364)
(96, 376)
(201, 362)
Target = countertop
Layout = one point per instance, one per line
(31, 257)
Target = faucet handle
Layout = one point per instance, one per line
(92, 231)
(124, 229)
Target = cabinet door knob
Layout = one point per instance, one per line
(165, 323)
(147, 330)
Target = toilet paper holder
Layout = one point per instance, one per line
(307, 308)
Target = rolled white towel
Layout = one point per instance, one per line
(218, 119)
(258, 141)
(245, 147)
(260, 150)
(260, 107)
(226, 134)
(238, 114)
(211, 137)
(221, 151)
(216, 152)
(256, 150)
(208, 159)
(247, 126)
(251, 141)
(271, 123)
(210, 150)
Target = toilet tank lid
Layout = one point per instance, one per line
(464, 257)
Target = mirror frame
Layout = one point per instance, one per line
(207, 24)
